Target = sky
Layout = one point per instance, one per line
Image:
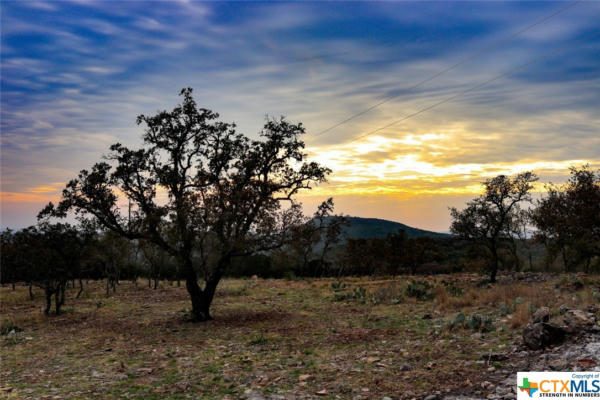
(75, 74)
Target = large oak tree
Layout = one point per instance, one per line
(198, 189)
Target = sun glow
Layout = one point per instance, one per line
(407, 166)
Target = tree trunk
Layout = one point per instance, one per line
(494, 266)
(199, 307)
(80, 288)
(57, 301)
(60, 296)
(48, 293)
(565, 260)
(515, 252)
(30, 291)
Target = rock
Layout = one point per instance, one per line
(593, 348)
(577, 320)
(254, 395)
(494, 357)
(541, 315)
(404, 367)
(563, 309)
(560, 364)
(540, 335)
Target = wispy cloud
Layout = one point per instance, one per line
(75, 75)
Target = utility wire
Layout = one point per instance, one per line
(461, 62)
(510, 71)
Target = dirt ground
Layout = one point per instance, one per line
(360, 338)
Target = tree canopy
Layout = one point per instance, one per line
(488, 219)
(197, 186)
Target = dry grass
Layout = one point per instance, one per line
(521, 316)
(266, 333)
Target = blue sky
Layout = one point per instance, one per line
(75, 74)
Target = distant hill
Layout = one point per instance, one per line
(369, 228)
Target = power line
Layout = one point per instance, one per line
(464, 60)
(510, 71)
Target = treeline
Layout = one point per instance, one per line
(566, 220)
(50, 256)
(560, 231)
(227, 206)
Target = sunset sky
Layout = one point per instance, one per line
(75, 74)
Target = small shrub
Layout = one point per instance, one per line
(339, 285)
(8, 326)
(385, 295)
(520, 316)
(457, 320)
(359, 293)
(505, 309)
(421, 290)
(475, 322)
(259, 340)
(452, 289)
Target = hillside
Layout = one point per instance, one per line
(368, 228)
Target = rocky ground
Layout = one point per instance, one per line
(443, 337)
(575, 348)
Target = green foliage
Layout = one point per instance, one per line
(259, 340)
(452, 289)
(338, 285)
(421, 290)
(359, 294)
(457, 320)
(516, 302)
(386, 294)
(475, 322)
(8, 326)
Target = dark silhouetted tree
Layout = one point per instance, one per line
(487, 218)
(312, 240)
(207, 181)
(568, 219)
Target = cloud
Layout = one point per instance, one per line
(74, 79)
